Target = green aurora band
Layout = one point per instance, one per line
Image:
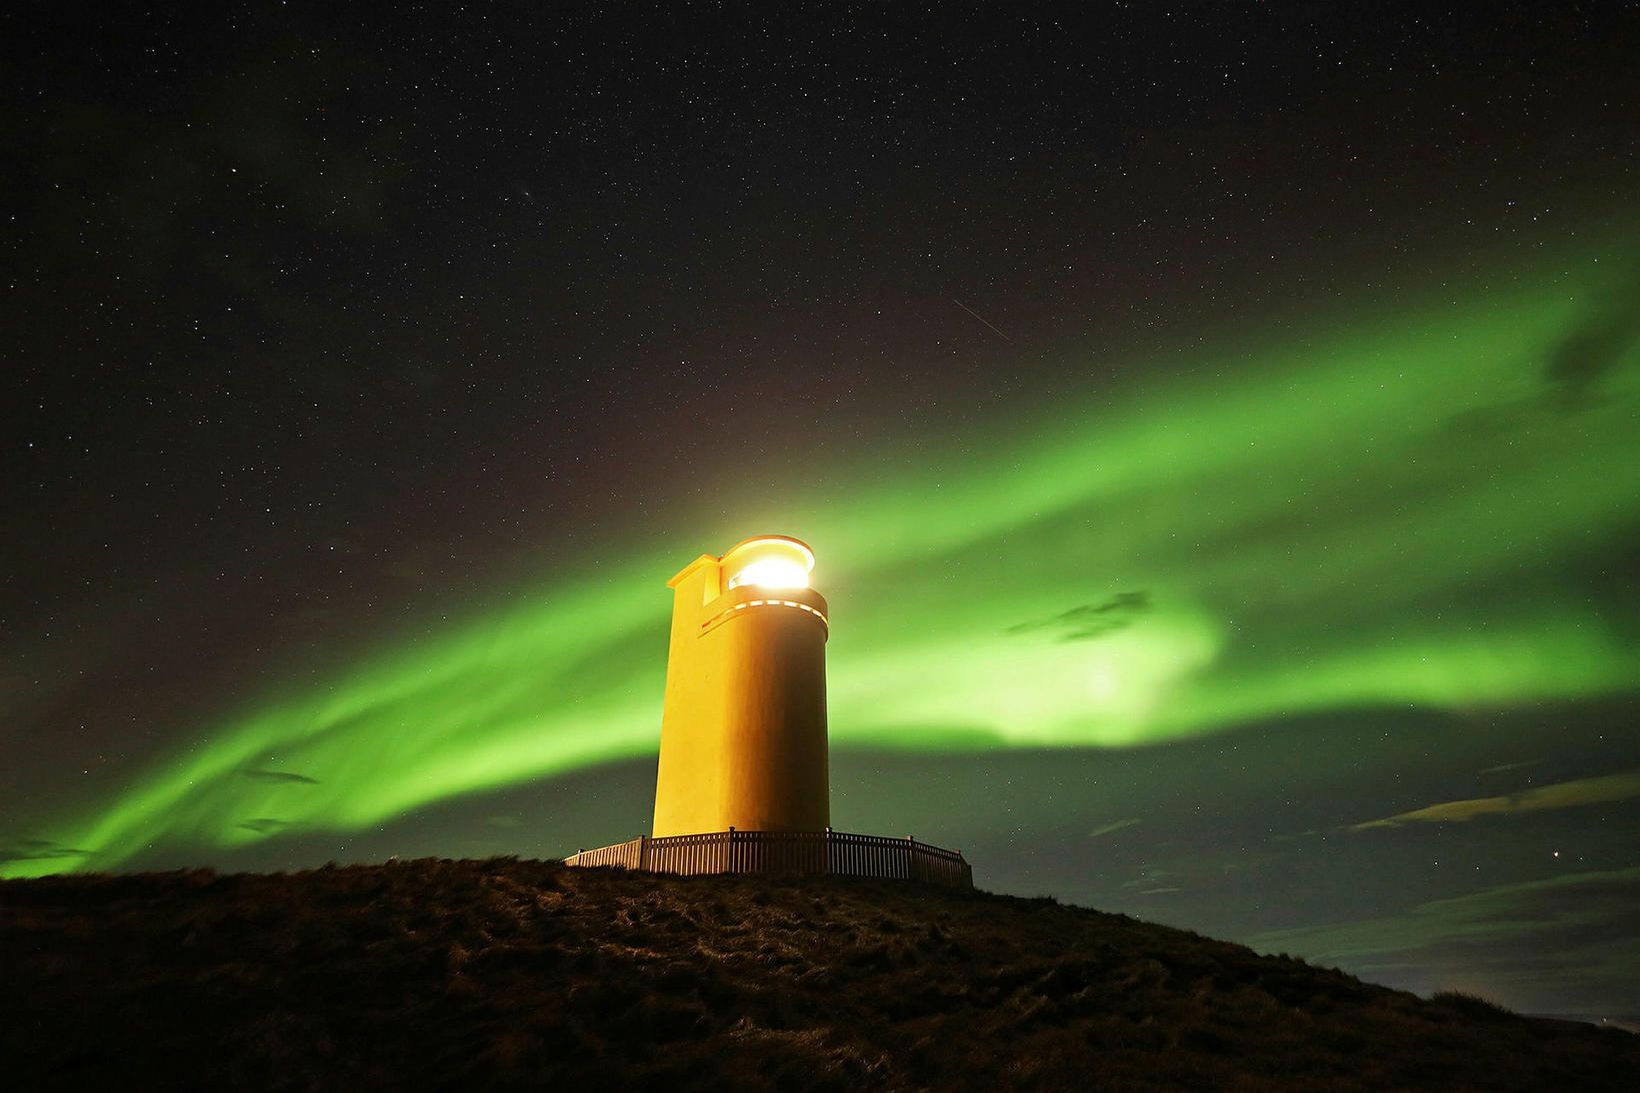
(1389, 513)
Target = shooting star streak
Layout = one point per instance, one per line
(981, 318)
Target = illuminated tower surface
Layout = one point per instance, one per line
(743, 732)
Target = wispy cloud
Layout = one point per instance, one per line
(1583, 791)
(1151, 881)
(1566, 942)
(1501, 767)
(1593, 904)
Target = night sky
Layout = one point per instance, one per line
(1218, 429)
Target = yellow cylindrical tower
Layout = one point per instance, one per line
(743, 731)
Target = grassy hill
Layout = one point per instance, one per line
(492, 974)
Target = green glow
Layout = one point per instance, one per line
(1385, 514)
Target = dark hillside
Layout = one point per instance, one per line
(519, 973)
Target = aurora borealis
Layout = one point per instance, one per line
(1282, 577)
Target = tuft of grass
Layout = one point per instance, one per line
(1473, 1006)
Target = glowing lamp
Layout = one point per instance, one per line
(771, 561)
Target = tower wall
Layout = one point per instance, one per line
(775, 776)
(743, 732)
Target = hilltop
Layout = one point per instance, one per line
(503, 973)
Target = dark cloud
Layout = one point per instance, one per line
(38, 850)
(1592, 351)
(264, 825)
(1611, 575)
(1575, 367)
(279, 776)
(1092, 620)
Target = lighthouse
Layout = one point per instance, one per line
(743, 784)
(743, 728)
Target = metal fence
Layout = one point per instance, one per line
(786, 852)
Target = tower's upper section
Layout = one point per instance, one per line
(763, 571)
